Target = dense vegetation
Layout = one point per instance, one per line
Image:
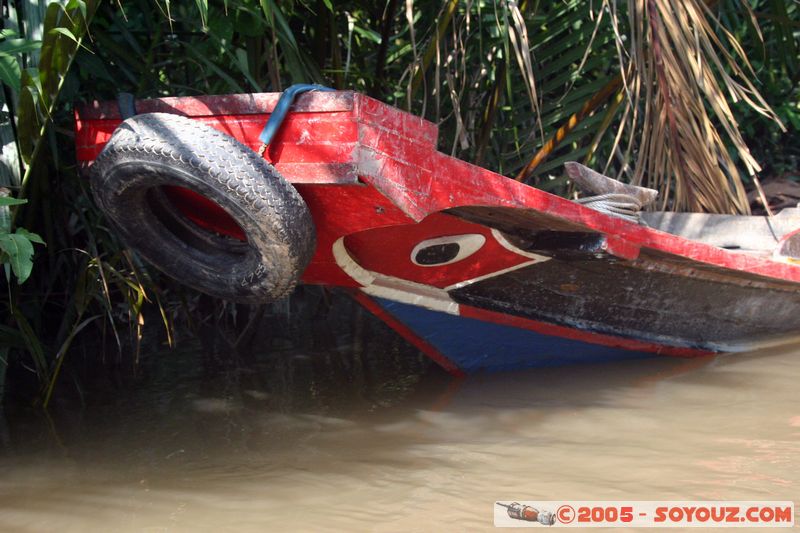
(519, 87)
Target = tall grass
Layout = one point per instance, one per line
(74, 283)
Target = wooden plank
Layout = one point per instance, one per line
(600, 294)
(727, 231)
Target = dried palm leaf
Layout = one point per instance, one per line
(522, 52)
(682, 75)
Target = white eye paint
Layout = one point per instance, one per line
(505, 243)
(446, 250)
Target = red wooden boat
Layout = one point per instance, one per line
(478, 271)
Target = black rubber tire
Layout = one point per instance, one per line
(149, 151)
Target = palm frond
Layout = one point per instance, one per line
(684, 68)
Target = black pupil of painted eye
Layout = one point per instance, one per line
(436, 254)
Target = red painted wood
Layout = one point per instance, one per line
(326, 141)
(388, 251)
(373, 112)
(340, 210)
(394, 156)
(457, 183)
(204, 212)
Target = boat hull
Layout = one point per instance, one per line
(479, 271)
(466, 345)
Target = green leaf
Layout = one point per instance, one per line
(77, 4)
(7, 200)
(9, 71)
(33, 237)
(5, 221)
(300, 67)
(33, 343)
(369, 34)
(222, 29)
(65, 32)
(18, 46)
(214, 68)
(32, 113)
(248, 23)
(61, 354)
(19, 251)
(40, 87)
(202, 7)
(794, 119)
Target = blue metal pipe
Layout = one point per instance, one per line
(282, 108)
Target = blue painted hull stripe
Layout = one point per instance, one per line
(475, 345)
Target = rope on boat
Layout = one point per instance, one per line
(611, 196)
(620, 205)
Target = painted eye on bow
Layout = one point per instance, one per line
(446, 250)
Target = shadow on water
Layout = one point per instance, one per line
(317, 354)
(303, 377)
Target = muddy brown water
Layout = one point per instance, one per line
(325, 442)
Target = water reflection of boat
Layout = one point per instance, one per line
(569, 387)
(478, 271)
